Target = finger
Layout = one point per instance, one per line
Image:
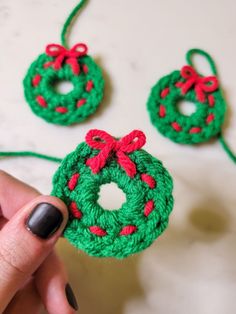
(26, 301)
(14, 194)
(26, 240)
(52, 284)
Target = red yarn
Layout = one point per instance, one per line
(81, 102)
(73, 181)
(128, 230)
(107, 145)
(195, 130)
(42, 102)
(47, 64)
(176, 126)
(75, 211)
(85, 68)
(36, 80)
(98, 231)
(211, 100)
(210, 118)
(149, 206)
(61, 109)
(162, 111)
(60, 53)
(201, 85)
(179, 84)
(89, 86)
(165, 92)
(151, 182)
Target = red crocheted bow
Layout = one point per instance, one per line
(60, 54)
(200, 84)
(107, 145)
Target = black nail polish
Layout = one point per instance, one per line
(44, 220)
(71, 297)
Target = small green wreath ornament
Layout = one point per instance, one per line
(187, 84)
(102, 159)
(59, 64)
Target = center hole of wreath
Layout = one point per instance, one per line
(187, 108)
(63, 86)
(111, 197)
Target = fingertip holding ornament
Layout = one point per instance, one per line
(103, 159)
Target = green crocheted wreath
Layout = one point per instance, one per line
(60, 64)
(188, 85)
(147, 184)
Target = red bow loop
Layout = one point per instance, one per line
(55, 50)
(200, 84)
(107, 145)
(71, 56)
(78, 50)
(133, 141)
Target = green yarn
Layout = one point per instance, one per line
(68, 22)
(69, 101)
(196, 51)
(30, 154)
(197, 119)
(86, 193)
(226, 148)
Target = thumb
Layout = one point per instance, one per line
(26, 240)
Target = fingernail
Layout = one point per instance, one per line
(44, 220)
(71, 297)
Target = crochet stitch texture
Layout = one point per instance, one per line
(147, 184)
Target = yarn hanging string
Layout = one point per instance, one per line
(125, 145)
(29, 154)
(213, 80)
(68, 23)
(62, 52)
(226, 148)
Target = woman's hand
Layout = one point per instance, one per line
(31, 275)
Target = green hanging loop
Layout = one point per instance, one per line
(30, 154)
(203, 53)
(69, 21)
(226, 148)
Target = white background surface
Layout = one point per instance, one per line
(192, 267)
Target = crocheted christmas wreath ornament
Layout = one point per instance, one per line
(102, 159)
(188, 85)
(61, 64)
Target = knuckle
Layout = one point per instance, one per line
(20, 255)
(10, 261)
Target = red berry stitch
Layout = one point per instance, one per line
(73, 181)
